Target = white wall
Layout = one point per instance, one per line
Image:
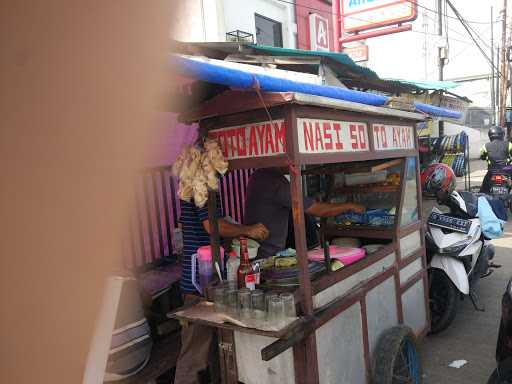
(209, 20)
(239, 14)
(199, 20)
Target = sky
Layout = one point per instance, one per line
(465, 58)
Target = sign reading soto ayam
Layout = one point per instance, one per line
(314, 136)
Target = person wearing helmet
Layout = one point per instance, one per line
(497, 153)
(438, 180)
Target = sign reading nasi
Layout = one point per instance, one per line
(392, 137)
(327, 136)
(252, 140)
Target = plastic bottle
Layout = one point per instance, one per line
(232, 267)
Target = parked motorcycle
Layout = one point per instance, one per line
(503, 372)
(457, 254)
(500, 185)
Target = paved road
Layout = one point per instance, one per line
(472, 336)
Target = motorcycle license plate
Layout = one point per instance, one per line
(449, 222)
(498, 190)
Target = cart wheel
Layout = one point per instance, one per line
(396, 359)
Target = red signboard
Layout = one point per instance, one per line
(392, 137)
(358, 53)
(360, 15)
(327, 136)
(252, 140)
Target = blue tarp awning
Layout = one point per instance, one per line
(236, 78)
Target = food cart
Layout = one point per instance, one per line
(355, 323)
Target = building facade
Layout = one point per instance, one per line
(265, 22)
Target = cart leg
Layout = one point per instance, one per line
(305, 361)
(227, 357)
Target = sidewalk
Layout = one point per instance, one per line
(472, 336)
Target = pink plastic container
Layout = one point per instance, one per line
(346, 255)
(206, 271)
(204, 253)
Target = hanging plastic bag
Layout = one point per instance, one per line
(492, 227)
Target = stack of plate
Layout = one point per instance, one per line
(289, 277)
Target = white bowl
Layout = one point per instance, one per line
(252, 247)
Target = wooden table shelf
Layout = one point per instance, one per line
(182, 315)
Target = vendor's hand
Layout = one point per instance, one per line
(356, 208)
(257, 231)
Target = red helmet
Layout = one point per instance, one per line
(438, 178)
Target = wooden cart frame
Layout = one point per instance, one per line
(396, 275)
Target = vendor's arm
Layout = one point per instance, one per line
(230, 230)
(320, 209)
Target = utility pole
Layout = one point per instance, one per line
(503, 90)
(440, 57)
(497, 92)
(493, 96)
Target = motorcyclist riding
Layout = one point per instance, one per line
(497, 153)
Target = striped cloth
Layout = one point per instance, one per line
(194, 236)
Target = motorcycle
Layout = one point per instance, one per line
(503, 372)
(458, 256)
(500, 185)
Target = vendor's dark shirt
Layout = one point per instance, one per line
(269, 202)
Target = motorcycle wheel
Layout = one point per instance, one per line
(443, 299)
(396, 359)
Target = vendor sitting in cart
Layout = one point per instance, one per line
(269, 202)
(197, 349)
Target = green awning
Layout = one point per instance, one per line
(429, 85)
(339, 58)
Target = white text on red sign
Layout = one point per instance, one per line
(387, 137)
(326, 136)
(252, 140)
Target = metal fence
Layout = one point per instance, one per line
(157, 210)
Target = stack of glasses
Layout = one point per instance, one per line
(255, 308)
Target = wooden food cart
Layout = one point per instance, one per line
(343, 313)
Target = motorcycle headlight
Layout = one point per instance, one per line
(456, 248)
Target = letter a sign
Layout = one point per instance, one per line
(318, 32)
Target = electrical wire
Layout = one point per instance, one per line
(463, 22)
(467, 42)
(450, 17)
(412, 2)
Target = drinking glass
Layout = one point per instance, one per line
(219, 299)
(276, 311)
(289, 305)
(268, 296)
(244, 299)
(231, 301)
(258, 304)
